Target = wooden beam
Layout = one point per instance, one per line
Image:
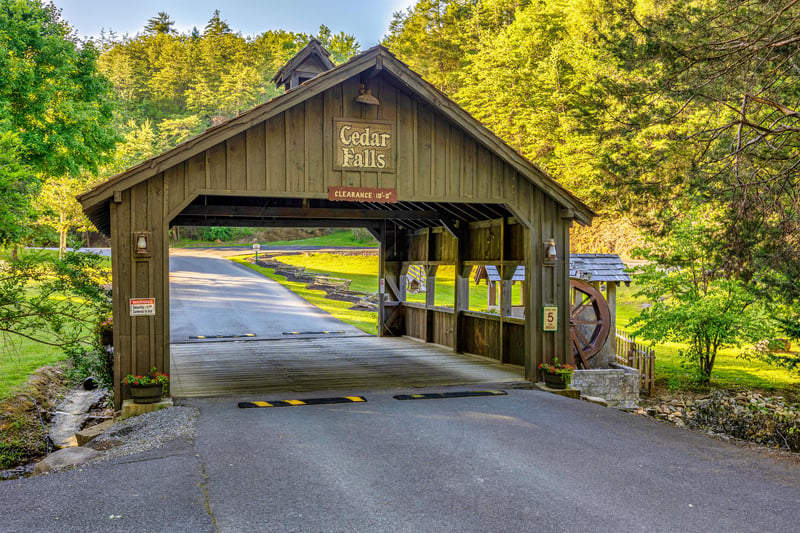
(450, 226)
(501, 264)
(246, 211)
(271, 222)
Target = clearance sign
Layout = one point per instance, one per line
(362, 145)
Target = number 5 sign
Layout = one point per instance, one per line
(549, 318)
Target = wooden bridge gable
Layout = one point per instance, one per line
(285, 149)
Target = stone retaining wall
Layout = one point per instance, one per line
(618, 385)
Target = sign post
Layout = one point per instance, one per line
(256, 248)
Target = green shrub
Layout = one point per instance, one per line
(222, 233)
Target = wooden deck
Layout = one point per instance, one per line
(317, 364)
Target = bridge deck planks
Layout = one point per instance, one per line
(309, 364)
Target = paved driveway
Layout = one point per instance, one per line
(528, 461)
(211, 295)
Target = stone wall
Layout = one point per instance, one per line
(618, 385)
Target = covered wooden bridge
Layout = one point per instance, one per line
(366, 144)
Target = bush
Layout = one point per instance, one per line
(220, 233)
(95, 361)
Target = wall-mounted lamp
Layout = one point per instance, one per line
(141, 243)
(365, 96)
(550, 252)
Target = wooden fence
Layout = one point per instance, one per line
(643, 358)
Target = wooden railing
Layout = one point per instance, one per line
(643, 358)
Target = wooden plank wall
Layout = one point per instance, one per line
(140, 342)
(289, 155)
(507, 243)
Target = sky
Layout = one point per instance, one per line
(367, 21)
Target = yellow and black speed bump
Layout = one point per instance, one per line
(440, 395)
(223, 336)
(309, 401)
(313, 332)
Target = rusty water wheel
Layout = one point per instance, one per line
(589, 322)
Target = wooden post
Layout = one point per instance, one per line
(461, 296)
(381, 273)
(532, 268)
(430, 300)
(492, 286)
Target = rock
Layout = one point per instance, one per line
(85, 435)
(67, 457)
(71, 415)
(595, 399)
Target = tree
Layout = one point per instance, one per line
(217, 26)
(341, 46)
(18, 185)
(51, 94)
(61, 210)
(51, 301)
(727, 71)
(55, 109)
(694, 300)
(427, 36)
(161, 23)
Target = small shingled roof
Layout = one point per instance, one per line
(598, 267)
(313, 55)
(587, 267)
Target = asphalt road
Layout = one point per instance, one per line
(528, 461)
(211, 296)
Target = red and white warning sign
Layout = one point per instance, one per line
(143, 306)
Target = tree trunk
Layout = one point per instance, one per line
(62, 236)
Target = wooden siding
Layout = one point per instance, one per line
(288, 155)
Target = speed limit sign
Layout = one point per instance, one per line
(549, 318)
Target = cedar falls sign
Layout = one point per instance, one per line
(362, 145)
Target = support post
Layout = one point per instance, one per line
(461, 302)
(532, 355)
(381, 277)
(430, 300)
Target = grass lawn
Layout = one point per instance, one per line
(338, 238)
(363, 271)
(19, 358)
(366, 321)
(730, 370)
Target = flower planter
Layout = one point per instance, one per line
(146, 393)
(557, 381)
